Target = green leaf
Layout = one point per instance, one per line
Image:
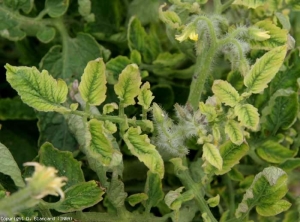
(64, 162)
(268, 210)
(214, 201)
(234, 131)
(147, 44)
(249, 3)
(109, 107)
(101, 146)
(80, 196)
(265, 68)
(294, 3)
(153, 189)
(212, 155)
(134, 199)
(136, 57)
(290, 164)
(92, 87)
(145, 10)
(235, 175)
(114, 68)
(248, 116)
(145, 96)
(225, 92)
(46, 34)
(172, 196)
(168, 59)
(56, 8)
(266, 190)
(278, 36)
(39, 90)
(109, 17)
(284, 20)
(273, 152)
(25, 5)
(15, 109)
(140, 146)
(128, 85)
(231, 155)
(53, 128)
(8, 166)
(10, 27)
(281, 111)
(208, 110)
(84, 9)
(66, 63)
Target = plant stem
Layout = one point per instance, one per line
(217, 6)
(21, 200)
(189, 184)
(200, 76)
(203, 65)
(226, 5)
(231, 195)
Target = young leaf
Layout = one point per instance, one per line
(234, 131)
(92, 87)
(138, 39)
(153, 189)
(247, 115)
(46, 34)
(265, 192)
(100, 146)
(208, 110)
(140, 146)
(273, 152)
(145, 96)
(39, 90)
(84, 9)
(80, 196)
(136, 198)
(214, 201)
(9, 166)
(109, 107)
(64, 162)
(212, 155)
(264, 69)
(278, 36)
(225, 92)
(231, 155)
(128, 85)
(282, 110)
(56, 8)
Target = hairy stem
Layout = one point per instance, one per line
(189, 184)
(203, 66)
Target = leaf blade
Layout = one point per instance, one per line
(265, 68)
(128, 86)
(225, 92)
(9, 166)
(140, 146)
(212, 155)
(39, 90)
(93, 83)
